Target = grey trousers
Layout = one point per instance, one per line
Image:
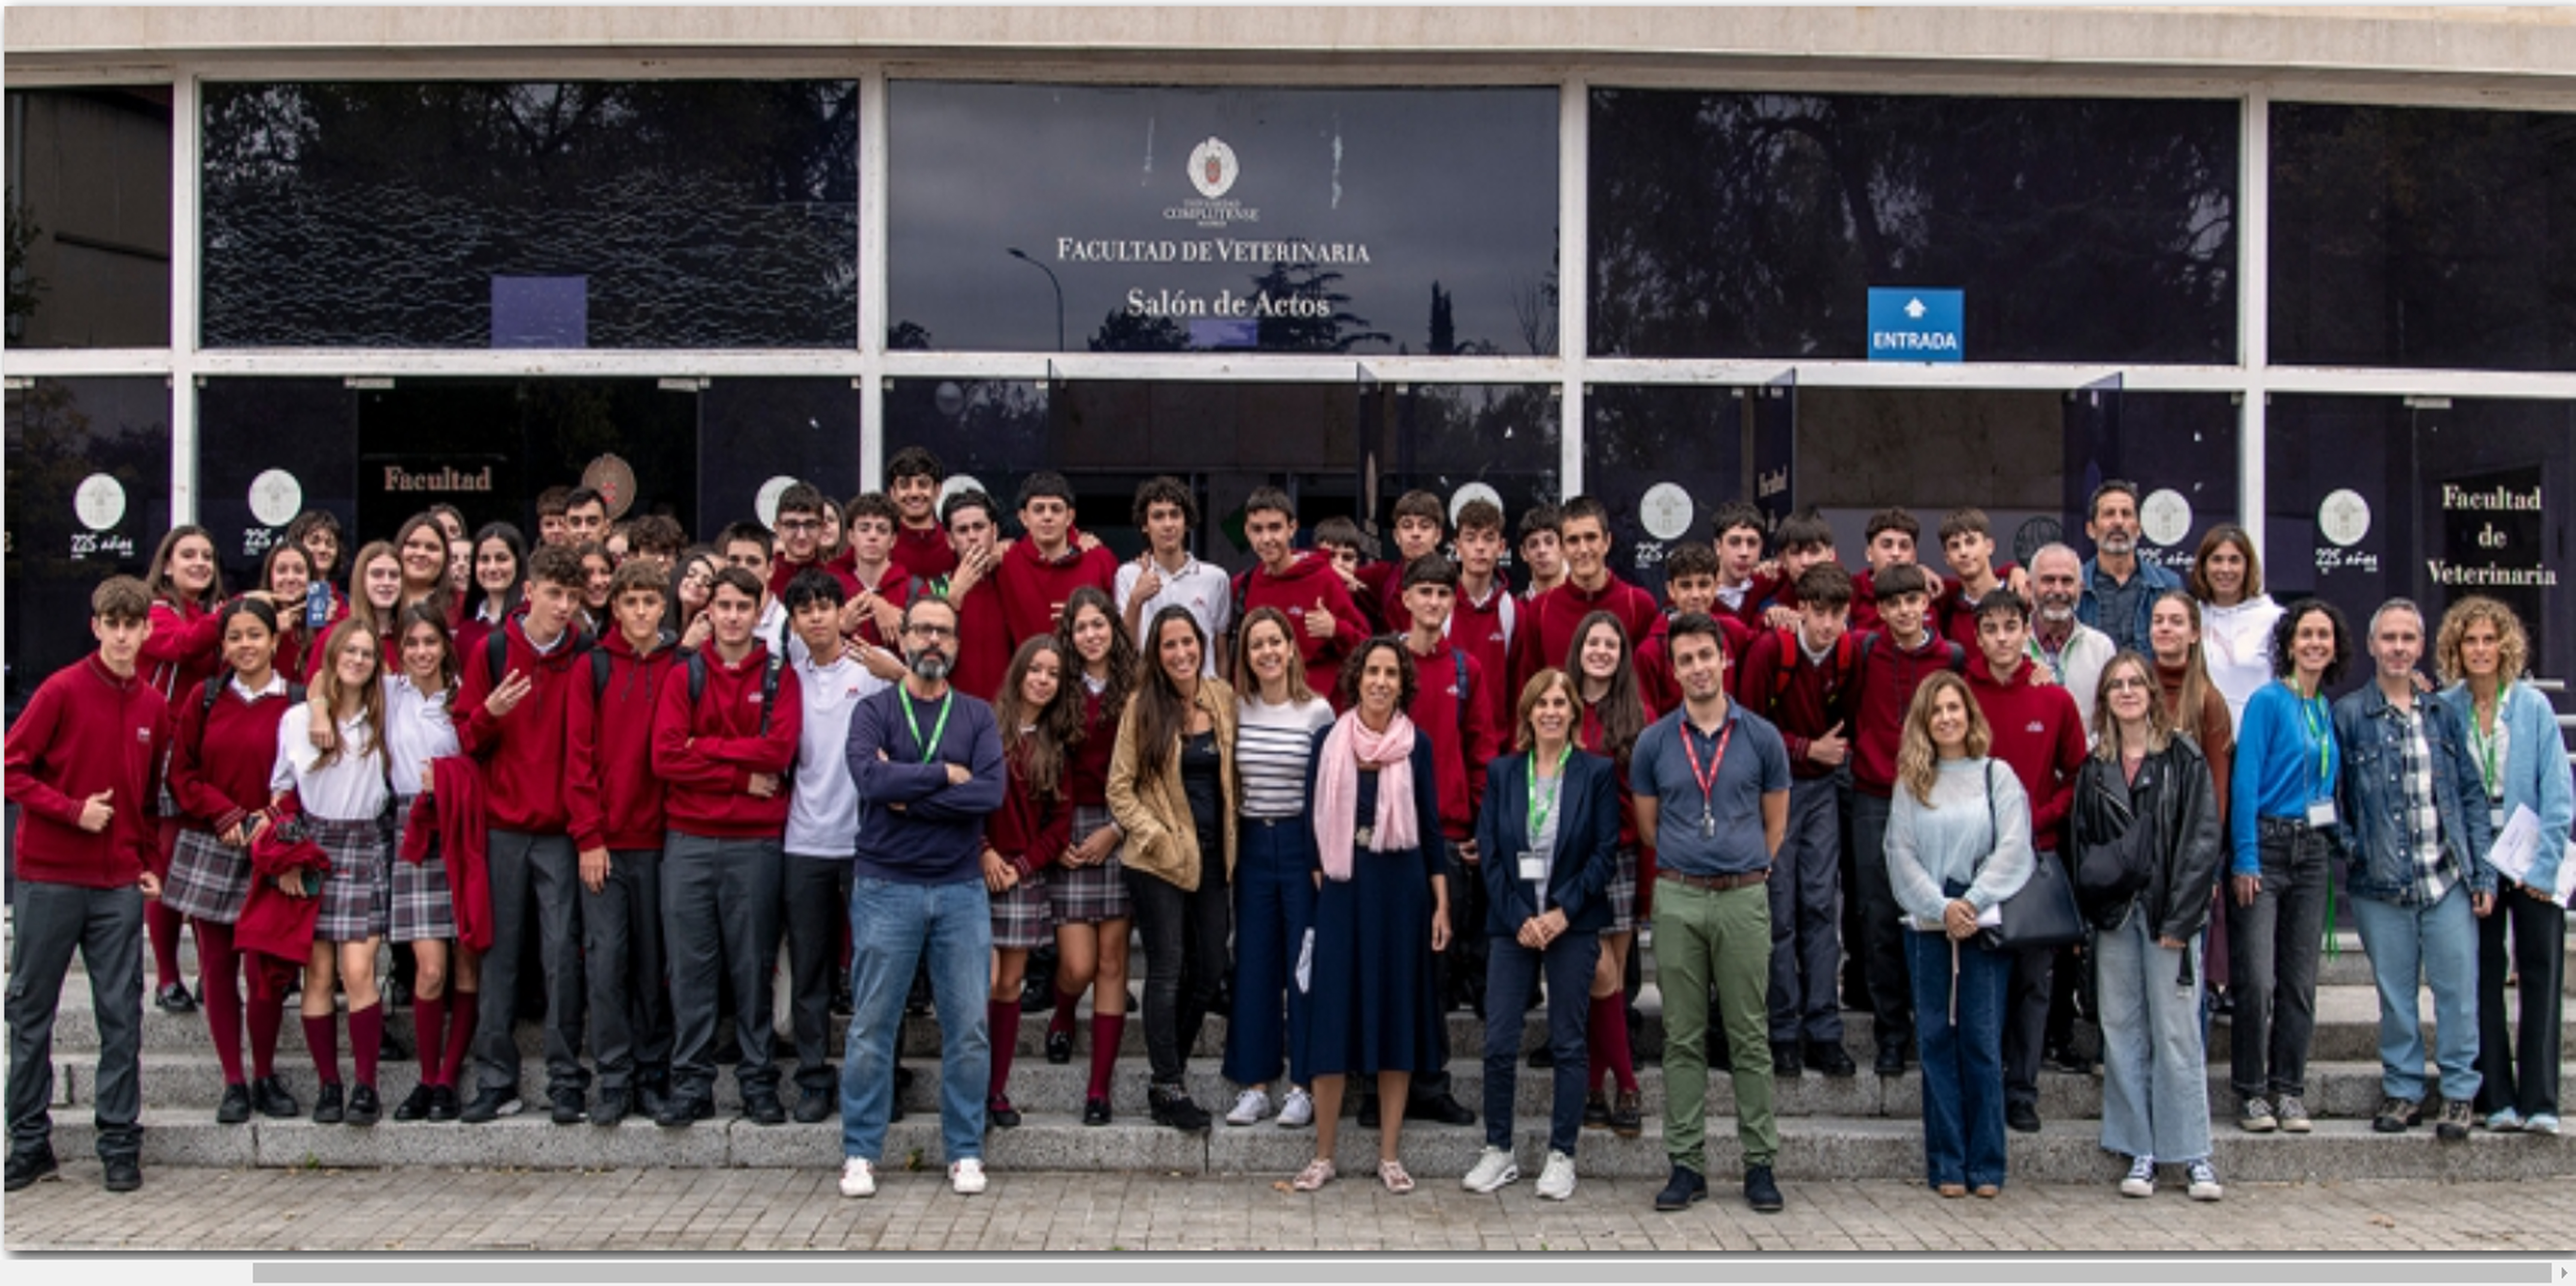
(536, 890)
(814, 904)
(2155, 1073)
(106, 927)
(1806, 918)
(720, 917)
(621, 946)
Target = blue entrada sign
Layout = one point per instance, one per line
(1907, 325)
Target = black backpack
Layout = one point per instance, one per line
(496, 656)
(695, 663)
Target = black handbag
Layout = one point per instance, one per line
(2041, 914)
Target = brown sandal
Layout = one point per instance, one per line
(1317, 1173)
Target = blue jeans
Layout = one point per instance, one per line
(1274, 908)
(892, 926)
(1963, 1061)
(1510, 971)
(2155, 1073)
(2412, 947)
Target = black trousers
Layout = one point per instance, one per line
(720, 919)
(2521, 1074)
(50, 922)
(621, 945)
(2026, 1022)
(536, 893)
(814, 904)
(1185, 957)
(1879, 951)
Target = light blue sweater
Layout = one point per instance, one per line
(2537, 775)
(1959, 837)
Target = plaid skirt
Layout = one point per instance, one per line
(207, 880)
(1024, 917)
(1090, 894)
(1623, 893)
(357, 895)
(423, 908)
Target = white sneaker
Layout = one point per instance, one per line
(2542, 1123)
(2505, 1121)
(966, 1177)
(1556, 1182)
(1249, 1107)
(2204, 1181)
(1297, 1111)
(2141, 1179)
(858, 1178)
(1494, 1168)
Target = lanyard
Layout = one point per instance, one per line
(938, 731)
(2309, 715)
(1707, 780)
(1540, 805)
(2486, 744)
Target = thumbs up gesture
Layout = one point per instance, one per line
(1319, 621)
(96, 812)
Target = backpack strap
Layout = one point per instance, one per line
(696, 665)
(599, 672)
(214, 689)
(1958, 656)
(1464, 687)
(496, 653)
(769, 688)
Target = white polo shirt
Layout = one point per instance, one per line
(823, 811)
(1206, 591)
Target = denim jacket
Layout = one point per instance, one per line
(2376, 830)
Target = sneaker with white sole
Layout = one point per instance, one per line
(1493, 1169)
(858, 1178)
(2504, 1121)
(1249, 1107)
(2542, 1123)
(966, 1177)
(2141, 1179)
(1556, 1182)
(2204, 1181)
(1297, 1111)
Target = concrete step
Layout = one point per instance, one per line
(1820, 1149)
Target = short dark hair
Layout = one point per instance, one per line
(870, 504)
(1825, 585)
(740, 579)
(1734, 514)
(1347, 684)
(969, 498)
(1430, 569)
(1418, 503)
(2093, 504)
(1272, 499)
(657, 534)
(812, 585)
(1968, 521)
(913, 462)
(1339, 532)
(1691, 558)
(800, 498)
(581, 496)
(2002, 602)
(633, 576)
(1897, 581)
(1689, 623)
(2286, 630)
(1585, 507)
(1894, 518)
(557, 565)
(746, 532)
(1541, 517)
(1164, 489)
(1480, 514)
(120, 600)
(1045, 484)
(1805, 529)
(552, 500)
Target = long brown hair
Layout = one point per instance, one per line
(360, 609)
(157, 580)
(1121, 658)
(1034, 740)
(1299, 693)
(1162, 714)
(1623, 709)
(1918, 760)
(371, 694)
(429, 614)
(2107, 745)
(439, 590)
(2187, 703)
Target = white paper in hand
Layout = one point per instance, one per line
(2516, 845)
(1306, 964)
(1990, 918)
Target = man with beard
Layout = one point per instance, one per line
(2119, 590)
(927, 761)
(2074, 651)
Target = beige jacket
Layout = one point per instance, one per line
(1155, 811)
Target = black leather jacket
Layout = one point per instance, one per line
(2175, 784)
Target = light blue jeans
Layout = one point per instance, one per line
(2155, 1077)
(892, 926)
(2413, 947)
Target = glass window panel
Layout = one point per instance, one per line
(1753, 225)
(2423, 238)
(268, 449)
(89, 217)
(598, 214)
(1638, 438)
(89, 497)
(1461, 441)
(754, 431)
(1113, 218)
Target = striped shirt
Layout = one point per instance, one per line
(1271, 746)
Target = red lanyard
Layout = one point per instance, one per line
(1707, 779)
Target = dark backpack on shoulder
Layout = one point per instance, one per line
(215, 689)
(2115, 844)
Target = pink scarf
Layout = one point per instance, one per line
(1337, 785)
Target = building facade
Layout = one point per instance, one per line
(2313, 271)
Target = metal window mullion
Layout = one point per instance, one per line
(184, 245)
(2254, 312)
(873, 135)
(1573, 289)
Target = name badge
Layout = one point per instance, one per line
(2321, 813)
(1532, 867)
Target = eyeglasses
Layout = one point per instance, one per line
(2130, 683)
(933, 632)
(800, 524)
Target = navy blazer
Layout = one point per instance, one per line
(1587, 843)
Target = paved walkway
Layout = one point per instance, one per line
(460, 1211)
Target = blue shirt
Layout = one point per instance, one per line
(2277, 772)
(1756, 763)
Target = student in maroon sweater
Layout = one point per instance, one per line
(1804, 540)
(2039, 733)
(1087, 890)
(1039, 572)
(1302, 586)
(984, 640)
(1691, 574)
(1888, 541)
(1968, 545)
(514, 717)
(1542, 548)
(1590, 586)
(1421, 523)
(922, 541)
(1892, 664)
(1449, 707)
(879, 587)
(83, 763)
(1612, 716)
(1739, 528)
(1803, 681)
(1486, 618)
(614, 800)
(800, 542)
(1022, 841)
(219, 764)
(184, 649)
(722, 753)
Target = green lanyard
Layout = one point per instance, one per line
(2486, 744)
(2309, 708)
(1540, 805)
(939, 730)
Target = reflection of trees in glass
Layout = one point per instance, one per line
(25, 287)
(1443, 436)
(1753, 224)
(716, 213)
(1322, 324)
(994, 429)
(54, 444)
(1125, 332)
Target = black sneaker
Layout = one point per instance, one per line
(1830, 1058)
(1439, 1109)
(364, 1107)
(1096, 1112)
(415, 1105)
(1785, 1062)
(1891, 1061)
(683, 1111)
(612, 1109)
(32, 1166)
(270, 1098)
(123, 1173)
(1596, 1111)
(2021, 1117)
(1686, 1186)
(442, 1103)
(326, 1105)
(999, 1114)
(652, 1092)
(1059, 1046)
(235, 1109)
(762, 1107)
(569, 1106)
(1172, 1107)
(815, 1103)
(1760, 1192)
(173, 998)
(490, 1105)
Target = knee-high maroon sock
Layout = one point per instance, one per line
(1106, 1031)
(164, 922)
(1004, 1018)
(221, 971)
(1610, 1018)
(266, 1011)
(429, 1031)
(322, 1040)
(461, 1007)
(1062, 1021)
(367, 1040)
(1596, 1063)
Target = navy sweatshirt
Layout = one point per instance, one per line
(937, 836)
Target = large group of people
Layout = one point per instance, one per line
(1334, 799)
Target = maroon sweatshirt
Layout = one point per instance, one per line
(1492, 634)
(2038, 732)
(706, 753)
(1462, 743)
(614, 798)
(186, 647)
(1086, 762)
(1557, 612)
(220, 759)
(1310, 579)
(524, 753)
(1035, 589)
(86, 730)
(842, 569)
(1886, 684)
(923, 551)
(1030, 831)
(1384, 580)
(1802, 698)
(1656, 680)
(1955, 614)
(984, 643)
